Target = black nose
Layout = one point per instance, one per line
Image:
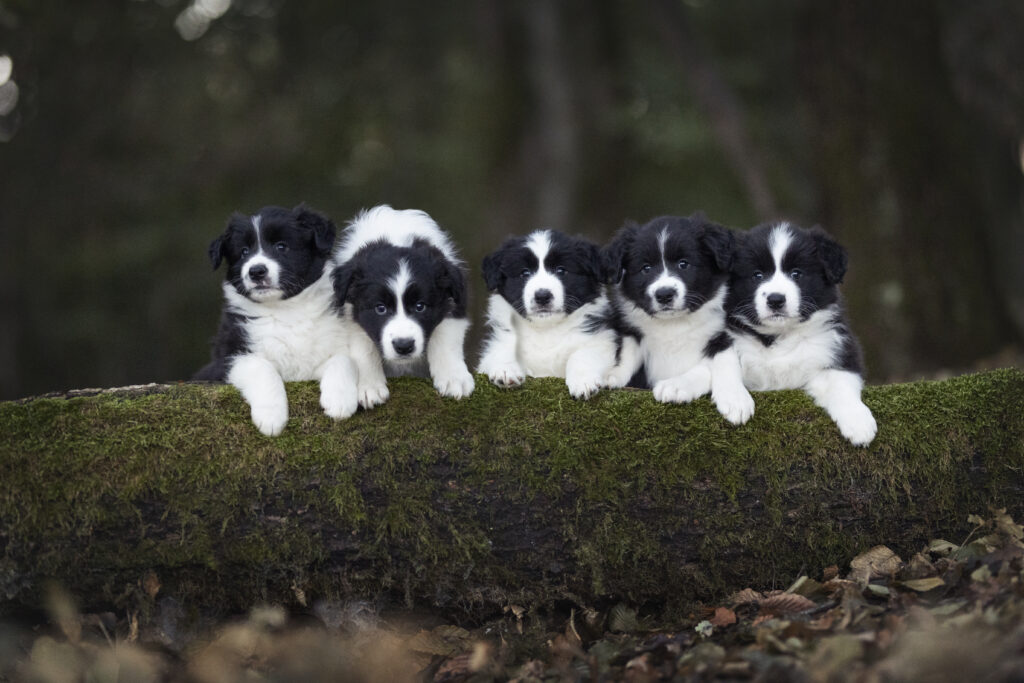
(776, 301)
(543, 296)
(404, 345)
(258, 272)
(665, 295)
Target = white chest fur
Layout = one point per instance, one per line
(794, 358)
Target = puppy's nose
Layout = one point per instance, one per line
(543, 296)
(665, 295)
(403, 345)
(776, 301)
(258, 272)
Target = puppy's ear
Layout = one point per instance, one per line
(493, 277)
(590, 257)
(719, 243)
(613, 256)
(216, 251)
(451, 281)
(322, 227)
(343, 277)
(832, 255)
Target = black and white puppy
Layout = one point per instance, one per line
(548, 313)
(787, 323)
(278, 322)
(398, 278)
(671, 276)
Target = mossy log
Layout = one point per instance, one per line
(521, 496)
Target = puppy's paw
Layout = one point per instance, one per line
(508, 375)
(617, 377)
(736, 405)
(583, 386)
(339, 403)
(371, 395)
(270, 418)
(674, 390)
(455, 385)
(857, 424)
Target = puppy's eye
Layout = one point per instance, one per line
(560, 270)
(526, 273)
(420, 307)
(796, 274)
(245, 251)
(758, 275)
(645, 268)
(381, 309)
(683, 264)
(281, 247)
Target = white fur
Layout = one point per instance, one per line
(731, 397)
(444, 356)
(540, 243)
(397, 227)
(300, 338)
(520, 348)
(838, 392)
(794, 358)
(401, 326)
(779, 283)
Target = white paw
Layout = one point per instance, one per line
(736, 405)
(371, 395)
(617, 377)
(509, 375)
(455, 385)
(339, 403)
(857, 424)
(583, 386)
(674, 390)
(270, 418)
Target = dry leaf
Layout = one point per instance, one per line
(830, 572)
(787, 603)
(745, 597)
(151, 584)
(924, 585)
(723, 616)
(877, 563)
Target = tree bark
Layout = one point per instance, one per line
(520, 497)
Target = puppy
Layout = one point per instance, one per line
(400, 284)
(548, 313)
(278, 322)
(670, 279)
(787, 325)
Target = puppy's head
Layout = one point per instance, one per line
(782, 274)
(546, 275)
(400, 294)
(670, 266)
(275, 253)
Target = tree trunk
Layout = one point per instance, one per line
(511, 496)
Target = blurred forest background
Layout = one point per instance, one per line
(131, 129)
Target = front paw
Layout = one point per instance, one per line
(617, 377)
(857, 424)
(674, 390)
(270, 418)
(371, 395)
(735, 405)
(456, 385)
(583, 386)
(508, 375)
(340, 403)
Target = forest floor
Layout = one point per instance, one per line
(952, 612)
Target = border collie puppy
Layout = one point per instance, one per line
(787, 323)
(671, 277)
(548, 313)
(398, 278)
(278, 323)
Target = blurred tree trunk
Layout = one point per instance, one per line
(896, 157)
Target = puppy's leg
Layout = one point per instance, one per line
(498, 360)
(587, 368)
(371, 384)
(630, 360)
(338, 387)
(838, 392)
(731, 397)
(262, 387)
(683, 388)
(445, 358)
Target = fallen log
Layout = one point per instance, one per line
(523, 496)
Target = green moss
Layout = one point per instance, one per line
(523, 494)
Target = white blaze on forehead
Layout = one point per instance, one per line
(662, 239)
(779, 240)
(778, 243)
(539, 243)
(399, 282)
(401, 326)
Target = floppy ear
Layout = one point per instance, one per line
(590, 256)
(493, 277)
(322, 227)
(613, 256)
(342, 277)
(451, 280)
(720, 244)
(832, 255)
(216, 251)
